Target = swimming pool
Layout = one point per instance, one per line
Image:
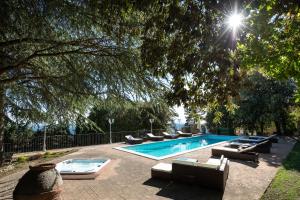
(166, 149)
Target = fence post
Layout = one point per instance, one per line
(44, 142)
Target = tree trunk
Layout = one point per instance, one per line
(1, 118)
(284, 129)
(262, 128)
(278, 129)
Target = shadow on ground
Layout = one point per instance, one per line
(248, 163)
(271, 159)
(279, 152)
(6, 189)
(183, 191)
(292, 162)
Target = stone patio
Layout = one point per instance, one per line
(127, 176)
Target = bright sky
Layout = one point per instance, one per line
(180, 112)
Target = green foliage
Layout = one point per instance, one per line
(60, 58)
(295, 116)
(192, 46)
(271, 42)
(292, 162)
(74, 55)
(54, 129)
(262, 101)
(53, 154)
(192, 115)
(219, 117)
(14, 130)
(129, 116)
(286, 184)
(22, 159)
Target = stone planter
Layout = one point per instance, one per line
(41, 182)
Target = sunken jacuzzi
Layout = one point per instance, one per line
(81, 168)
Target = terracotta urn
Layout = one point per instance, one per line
(41, 182)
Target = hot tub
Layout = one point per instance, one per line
(81, 168)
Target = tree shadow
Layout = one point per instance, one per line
(181, 191)
(292, 162)
(7, 188)
(271, 159)
(244, 162)
(282, 154)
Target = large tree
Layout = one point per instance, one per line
(59, 57)
(262, 101)
(129, 116)
(194, 48)
(272, 39)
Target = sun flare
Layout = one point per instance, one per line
(235, 20)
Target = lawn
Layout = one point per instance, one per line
(286, 184)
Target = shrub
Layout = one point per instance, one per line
(22, 159)
(49, 155)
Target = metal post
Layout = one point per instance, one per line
(110, 121)
(44, 144)
(110, 133)
(151, 121)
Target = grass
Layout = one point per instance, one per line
(286, 184)
(22, 162)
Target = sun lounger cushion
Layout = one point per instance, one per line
(129, 137)
(223, 164)
(215, 162)
(221, 159)
(192, 162)
(162, 170)
(227, 149)
(151, 135)
(187, 159)
(212, 163)
(210, 166)
(164, 167)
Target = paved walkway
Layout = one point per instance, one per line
(127, 176)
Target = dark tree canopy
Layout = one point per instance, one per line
(272, 40)
(54, 53)
(193, 47)
(59, 58)
(127, 117)
(263, 101)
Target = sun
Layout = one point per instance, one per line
(235, 21)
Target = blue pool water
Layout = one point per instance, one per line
(160, 150)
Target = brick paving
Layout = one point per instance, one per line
(127, 176)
